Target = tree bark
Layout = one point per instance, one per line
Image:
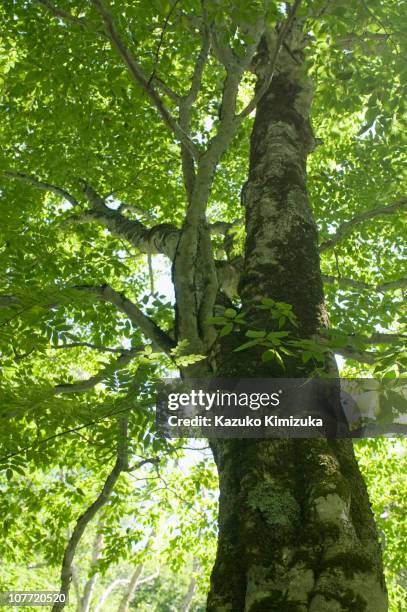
(296, 531)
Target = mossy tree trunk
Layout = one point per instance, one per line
(296, 532)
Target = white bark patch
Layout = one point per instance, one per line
(332, 508)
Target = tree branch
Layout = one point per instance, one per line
(129, 593)
(189, 595)
(150, 329)
(161, 238)
(384, 338)
(101, 602)
(106, 294)
(360, 356)
(139, 77)
(31, 180)
(61, 14)
(120, 465)
(85, 385)
(400, 283)
(345, 228)
(284, 30)
(166, 89)
(355, 342)
(374, 338)
(185, 104)
(100, 347)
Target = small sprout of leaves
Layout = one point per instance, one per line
(181, 359)
(279, 311)
(228, 320)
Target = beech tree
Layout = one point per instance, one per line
(255, 149)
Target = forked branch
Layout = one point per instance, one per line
(137, 74)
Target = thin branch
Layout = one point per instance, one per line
(189, 595)
(345, 282)
(384, 338)
(345, 228)
(148, 578)
(161, 40)
(139, 77)
(166, 89)
(31, 180)
(65, 432)
(185, 108)
(199, 67)
(374, 338)
(220, 228)
(284, 30)
(360, 356)
(100, 347)
(101, 500)
(139, 464)
(61, 14)
(400, 283)
(89, 383)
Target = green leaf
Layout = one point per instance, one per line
(252, 333)
(226, 329)
(247, 345)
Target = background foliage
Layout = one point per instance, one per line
(71, 112)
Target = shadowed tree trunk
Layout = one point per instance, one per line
(296, 529)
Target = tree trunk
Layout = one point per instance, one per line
(131, 589)
(296, 532)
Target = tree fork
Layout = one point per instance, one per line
(296, 531)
